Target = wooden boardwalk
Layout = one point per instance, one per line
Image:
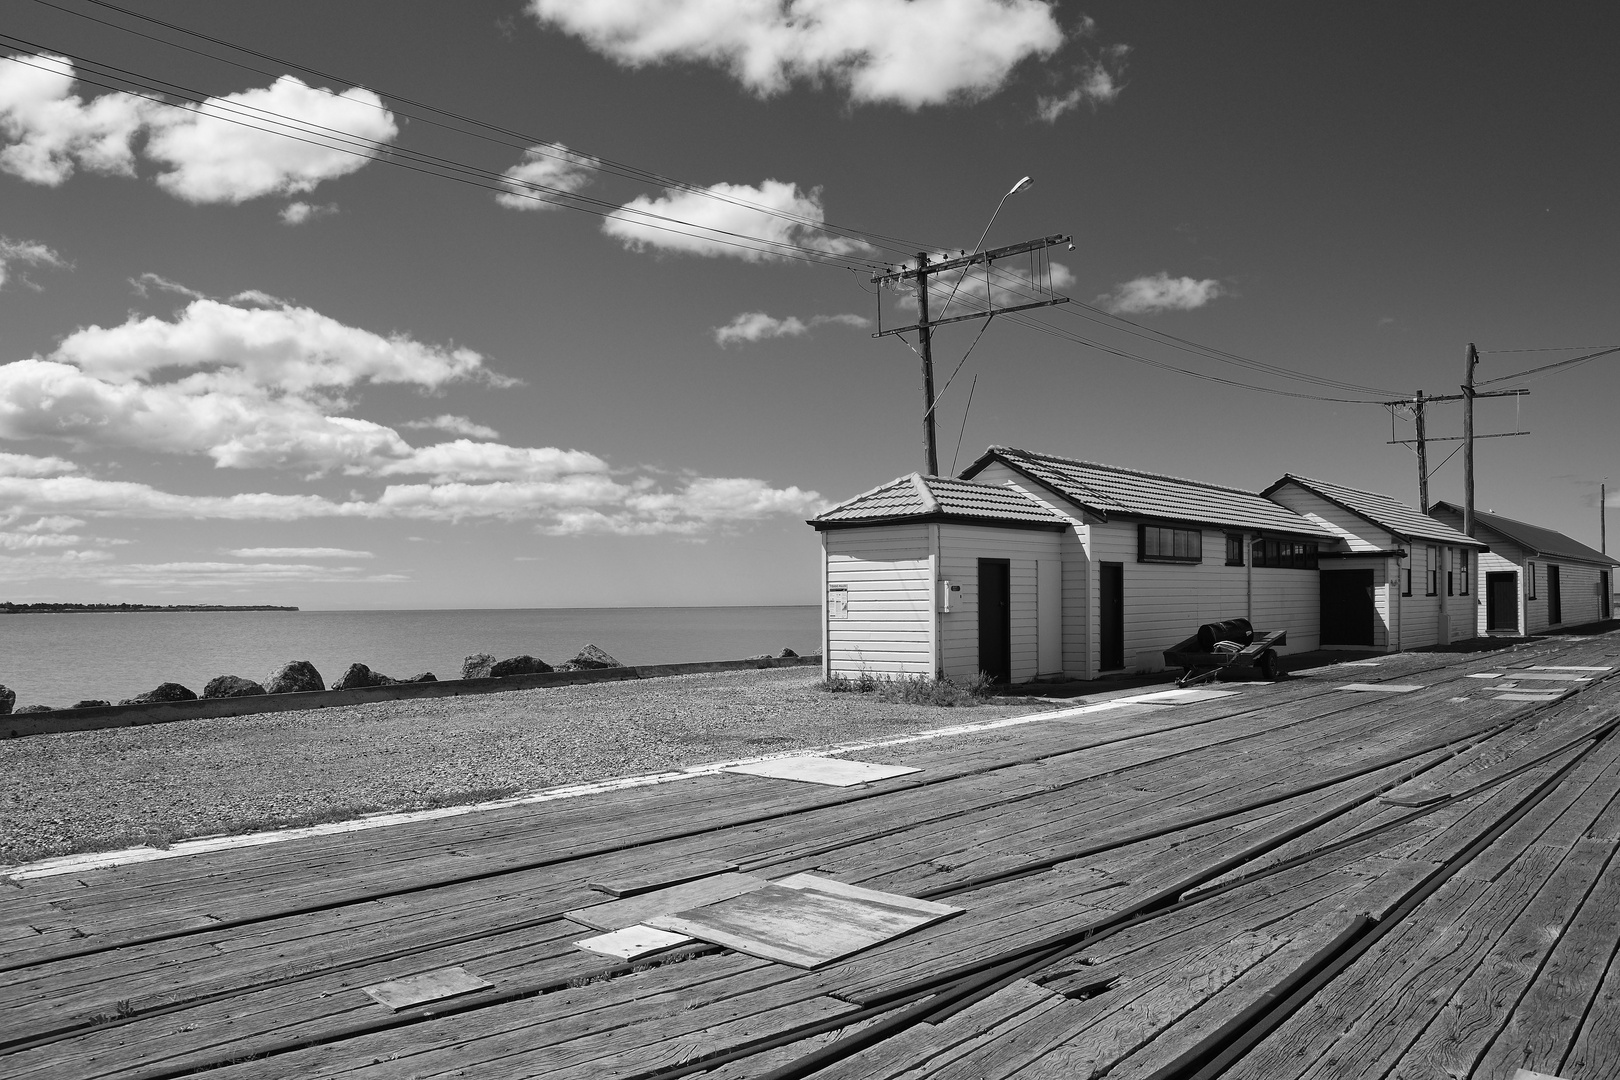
(1293, 881)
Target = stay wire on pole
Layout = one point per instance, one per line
(963, 430)
(1552, 367)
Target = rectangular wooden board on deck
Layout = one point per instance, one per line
(447, 982)
(835, 772)
(1527, 697)
(1566, 667)
(633, 882)
(1181, 697)
(633, 942)
(617, 914)
(1381, 688)
(1547, 676)
(806, 921)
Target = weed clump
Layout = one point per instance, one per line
(913, 689)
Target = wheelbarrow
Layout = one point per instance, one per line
(1232, 645)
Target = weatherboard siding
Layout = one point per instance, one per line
(960, 549)
(1358, 533)
(889, 574)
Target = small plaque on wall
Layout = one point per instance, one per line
(838, 601)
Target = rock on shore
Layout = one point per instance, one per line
(169, 691)
(360, 675)
(590, 658)
(293, 677)
(231, 686)
(8, 700)
(518, 665)
(477, 666)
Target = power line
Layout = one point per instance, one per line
(450, 168)
(152, 89)
(479, 128)
(1605, 351)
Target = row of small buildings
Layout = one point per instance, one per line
(1038, 566)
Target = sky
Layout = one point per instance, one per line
(564, 303)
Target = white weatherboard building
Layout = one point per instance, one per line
(1535, 579)
(1037, 565)
(1398, 579)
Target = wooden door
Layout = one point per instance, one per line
(1348, 611)
(1111, 631)
(995, 619)
(1555, 598)
(1502, 601)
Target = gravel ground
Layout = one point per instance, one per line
(101, 790)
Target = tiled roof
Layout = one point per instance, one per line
(929, 496)
(1108, 490)
(1533, 538)
(1391, 514)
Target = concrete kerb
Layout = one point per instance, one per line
(16, 725)
(83, 863)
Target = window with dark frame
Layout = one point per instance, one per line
(1530, 581)
(1285, 554)
(1431, 571)
(1406, 576)
(1234, 549)
(1462, 571)
(1164, 543)
(1451, 571)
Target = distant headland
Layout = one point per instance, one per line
(32, 609)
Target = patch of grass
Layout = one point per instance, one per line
(912, 689)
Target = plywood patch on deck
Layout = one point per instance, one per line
(632, 942)
(835, 772)
(805, 920)
(429, 986)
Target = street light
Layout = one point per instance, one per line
(1022, 185)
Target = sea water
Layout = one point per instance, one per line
(59, 659)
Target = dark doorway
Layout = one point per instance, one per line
(1348, 612)
(1502, 602)
(1111, 593)
(995, 619)
(1607, 605)
(1555, 599)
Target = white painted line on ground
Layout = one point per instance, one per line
(1358, 663)
(104, 860)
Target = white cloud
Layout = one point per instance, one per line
(50, 131)
(28, 465)
(1159, 292)
(1096, 81)
(299, 212)
(299, 553)
(95, 566)
(455, 425)
(757, 326)
(293, 349)
(546, 171)
(56, 523)
(284, 139)
(905, 52)
(749, 223)
(564, 505)
(149, 281)
(31, 253)
(464, 459)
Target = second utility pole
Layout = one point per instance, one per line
(1468, 440)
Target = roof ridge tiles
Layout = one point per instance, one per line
(1013, 450)
(920, 484)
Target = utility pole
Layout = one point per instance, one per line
(1468, 439)
(1603, 516)
(925, 338)
(925, 326)
(1419, 406)
(1423, 455)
